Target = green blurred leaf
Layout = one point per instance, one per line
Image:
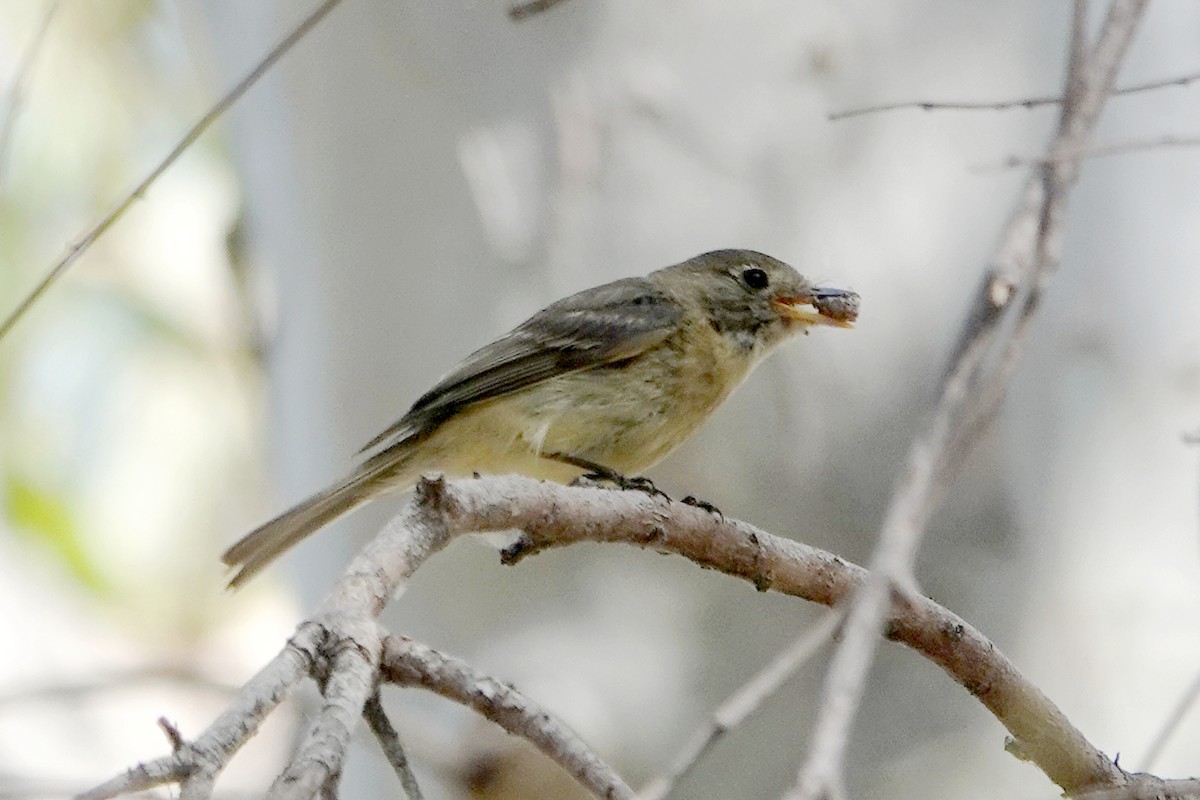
(46, 518)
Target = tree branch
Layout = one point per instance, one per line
(1171, 725)
(773, 563)
(211, 752)
(992, 338)
(550, 516)
(741, 704)
(408, 663)
(1005, 105)
(389, 741)
(1095, 151)
(346, 662)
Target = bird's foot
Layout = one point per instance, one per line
(640, 483)
(598, 475)
(588, 480)
(703, 505)
(610, 478)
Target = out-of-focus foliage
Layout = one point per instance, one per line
(129, 396)
(47, 518)
(127, 393)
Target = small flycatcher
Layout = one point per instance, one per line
(606, 381)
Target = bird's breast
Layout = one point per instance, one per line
(625, 416)
(630, 415)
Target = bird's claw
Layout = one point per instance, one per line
(590, 480)
(703, 505)
(637, 483)
(640, 483)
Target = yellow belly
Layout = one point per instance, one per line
(625, 417)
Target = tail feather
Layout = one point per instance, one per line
(263, 545)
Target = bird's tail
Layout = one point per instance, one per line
(264, 544)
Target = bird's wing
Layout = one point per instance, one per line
(595, 327)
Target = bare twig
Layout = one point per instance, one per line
(521, 11)
(214, 113)
(1004, 105)
(1077, 47)
(16, 91)
(389, 741)
(1093, 151)
(1171, 725)
(212, 750)
(983, 358)
(741, 704)
(172, 769)
(352, 646)
(171, 731)
(409, 663)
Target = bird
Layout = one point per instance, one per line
(603, 383)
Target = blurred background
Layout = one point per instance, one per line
(417, 177)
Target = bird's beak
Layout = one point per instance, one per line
(835, 307)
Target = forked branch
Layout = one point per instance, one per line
(348, 653)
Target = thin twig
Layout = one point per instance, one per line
(214, 113)
(171, 731)
(1092, 151)
(1171, 725)
(991, 339)
(210, 752)
(16, 91)
(1004, 105)
(522, 11)
(738, 707)
(171, 769)
(389, 741)
(409, 663)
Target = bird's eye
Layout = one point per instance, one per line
(755, 278)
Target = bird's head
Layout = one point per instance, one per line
(756, 300)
